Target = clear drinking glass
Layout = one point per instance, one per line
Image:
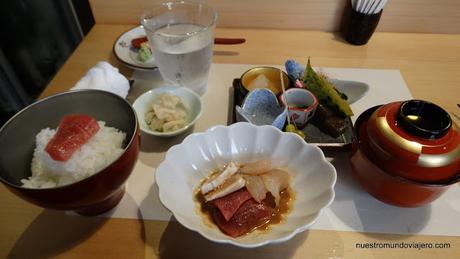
(182, 38)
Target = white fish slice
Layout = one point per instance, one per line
(256, 187)
(256, 168)
(275, 181)
(232, 184)
(218, 179)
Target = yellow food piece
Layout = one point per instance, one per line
(290, 128)
(300, 133)
(167, 113)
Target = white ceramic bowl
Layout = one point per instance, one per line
(190, 99)
(185, 164)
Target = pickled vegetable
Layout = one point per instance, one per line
(325, 92)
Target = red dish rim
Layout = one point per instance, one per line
(308, 109)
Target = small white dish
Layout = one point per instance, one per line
(186, 164)
(126, 54)
(354, 90)
(189, 98)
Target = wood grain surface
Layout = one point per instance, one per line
(423, 16)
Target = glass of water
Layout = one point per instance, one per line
(181, 35)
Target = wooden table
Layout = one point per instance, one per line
(429, 63)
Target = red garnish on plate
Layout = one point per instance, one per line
(73, 132)
(136, 43)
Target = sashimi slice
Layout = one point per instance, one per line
(73, 132)
(218, 179)
(249, 216)
(256, 168)
(136, 43)
(232, 184)
(275, 181)
(229, 204)
(256, 187)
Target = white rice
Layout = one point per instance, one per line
(102, 149)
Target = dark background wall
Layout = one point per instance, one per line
(36, 38)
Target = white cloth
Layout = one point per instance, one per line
(104, 76)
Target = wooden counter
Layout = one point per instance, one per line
(429, 64)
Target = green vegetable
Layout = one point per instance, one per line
(325, 92)
(342, 95)
(144, 53)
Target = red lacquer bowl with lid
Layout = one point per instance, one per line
(414, 139)
(406, 153)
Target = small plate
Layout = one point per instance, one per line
(354, 90)
(126, 54)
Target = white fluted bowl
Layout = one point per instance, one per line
(185, 164)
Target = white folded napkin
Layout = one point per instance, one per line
(104, 76)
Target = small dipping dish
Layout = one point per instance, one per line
(263, 77)
(189, 98)
(301, 105)
(261, 107)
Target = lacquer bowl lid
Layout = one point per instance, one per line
(414, 139)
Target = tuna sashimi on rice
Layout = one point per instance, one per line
(242, 198)
(73, 132)
(79, 148)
